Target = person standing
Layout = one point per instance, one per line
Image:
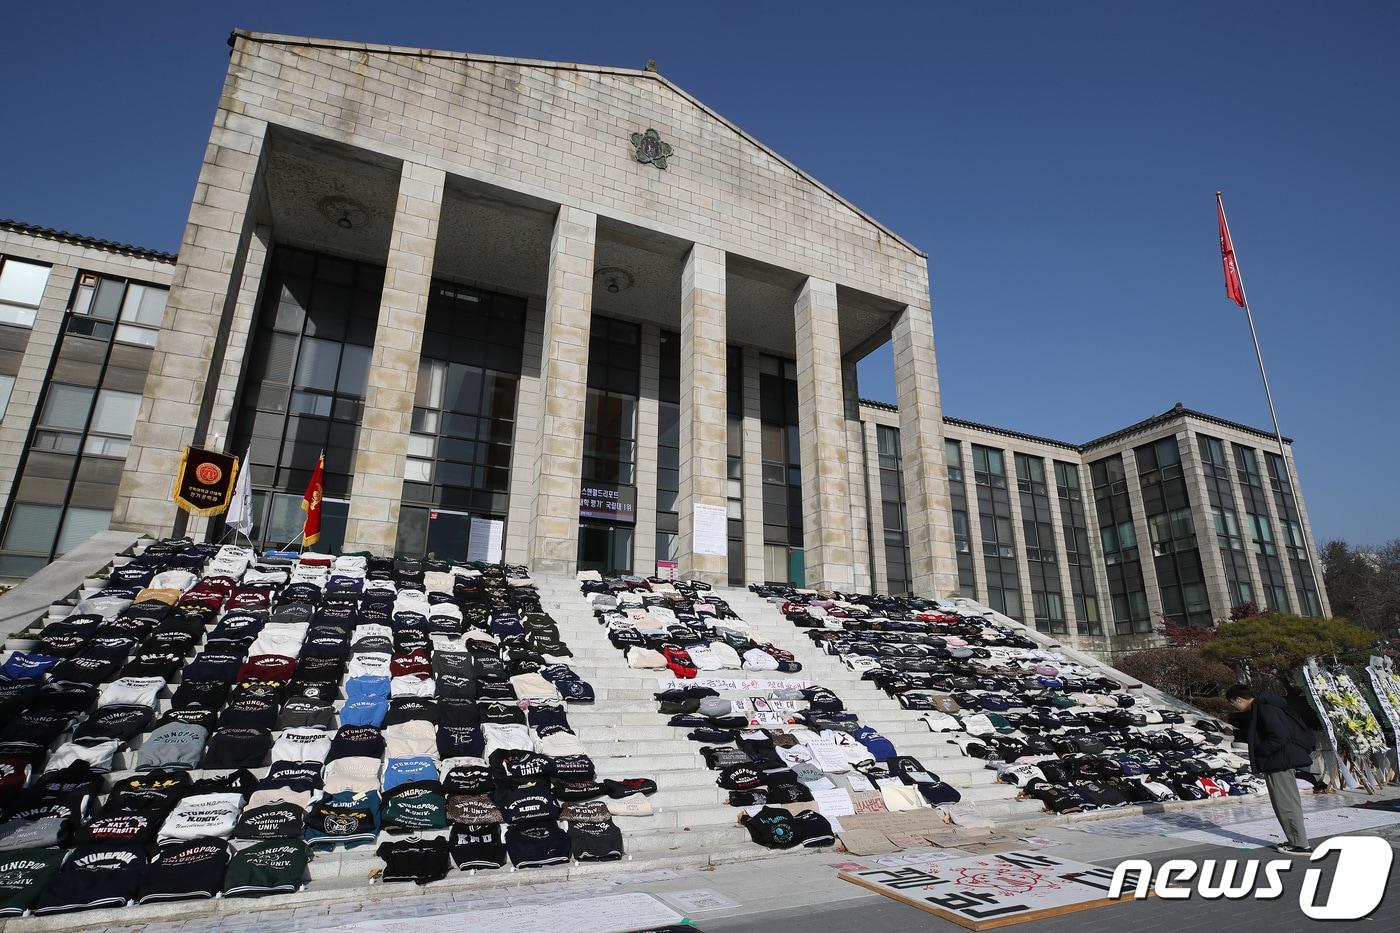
(1278, 745)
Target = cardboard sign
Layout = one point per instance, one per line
(988, 891)
(204, 481)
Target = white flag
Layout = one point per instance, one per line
(240, 508)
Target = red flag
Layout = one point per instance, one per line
(311, 504)
(1234, 287)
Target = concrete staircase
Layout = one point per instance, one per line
(627, 737)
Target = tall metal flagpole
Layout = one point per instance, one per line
(1273, 413)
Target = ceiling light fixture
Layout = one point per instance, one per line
(345, 212)
(614, 279)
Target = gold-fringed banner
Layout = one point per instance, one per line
(204, 482)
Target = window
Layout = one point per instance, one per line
(1262, 535)
(115, 412)
(7, 386)
(1118, 541)
(1171, 531)
(1227, 529)
(21, 290)
(892, 505)
(782, 461)
(952, 453)
(962, 537)
(1067, 481)
(960, 532)
(66, 407)
(989, 469)
(32, 527)
(79, 525)
(306, 377)
(142, 311)
(82, 431)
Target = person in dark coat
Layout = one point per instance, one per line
(1278, 745)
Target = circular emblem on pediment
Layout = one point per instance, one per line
(650, 149)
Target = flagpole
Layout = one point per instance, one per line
(1288, 471)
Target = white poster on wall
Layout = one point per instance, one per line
(485, 542)
(711, 530)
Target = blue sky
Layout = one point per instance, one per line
(1058, 163)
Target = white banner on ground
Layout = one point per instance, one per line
(733, 684)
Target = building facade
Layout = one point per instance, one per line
(79, 319)
(1179, 518)
(570, 317)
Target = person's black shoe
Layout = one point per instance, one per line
(1286, 849)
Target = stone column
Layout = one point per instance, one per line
(203, 293)
(231, 370)
(44, 336)
(704, 408)
(1207, 545)
(876, 512)
(568, 312)
(855, 463)
(648, 429)
(826, 504)
(753, 470)
(377, 484)
(932, 559)
(526, 441)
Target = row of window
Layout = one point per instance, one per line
(71, 467)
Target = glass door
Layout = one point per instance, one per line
(605, 548)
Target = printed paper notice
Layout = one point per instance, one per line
(710, 533)
(485, 543)
(834, 802)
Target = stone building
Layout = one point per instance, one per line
(568, 316)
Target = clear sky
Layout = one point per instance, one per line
(1057, 161)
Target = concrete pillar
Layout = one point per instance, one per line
(826, 506)
(1212, 563)
(932, 559)
(377, 484)
(526, 442)
(648, 429)
(44, 336)
(704, 414)
(753, 470)
(568, 312)
(203, 293)
(875, 515)
(231, 370)
(855, 464)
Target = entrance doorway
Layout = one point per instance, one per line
(605, 548)
(434, 533)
